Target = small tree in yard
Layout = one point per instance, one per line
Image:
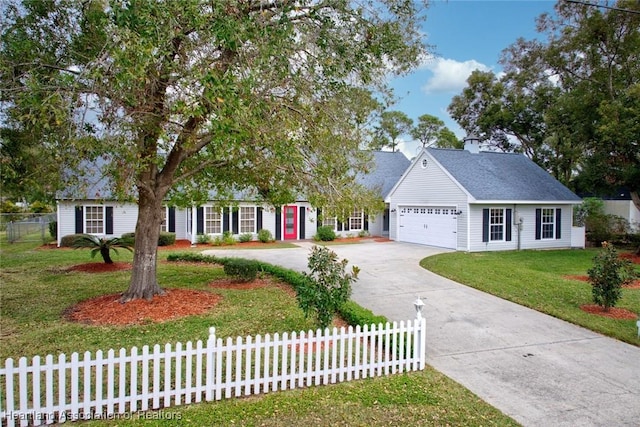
(608, 275)
(102, 245)
(328, 288)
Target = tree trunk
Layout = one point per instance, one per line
(106, 256)
(144, 282)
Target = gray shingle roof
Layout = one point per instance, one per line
(387, 170)
(502, 176)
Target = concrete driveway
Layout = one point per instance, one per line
(539, 370)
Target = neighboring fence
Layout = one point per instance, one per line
(88, 387)
(27, 227)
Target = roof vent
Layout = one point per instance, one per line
(472, 144)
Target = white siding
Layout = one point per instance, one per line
(375, 225)
(529, 228)
(429, 186)
(124, 217)
(527, 232)
(475, 234)
(269, 219)
(181, 224)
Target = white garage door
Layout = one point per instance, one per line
(434, 226)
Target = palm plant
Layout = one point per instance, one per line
(102, 245)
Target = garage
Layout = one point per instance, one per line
(433, 226)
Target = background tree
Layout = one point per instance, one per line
(430, 130)
(393, 124)
(226, 95)
(569, 101)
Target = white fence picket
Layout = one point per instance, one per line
(44, 391)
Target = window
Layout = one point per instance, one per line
(212, 220)
(496, 224)
(165, 224)
(548, 223)
(247, 219)
(355, 220)
(329, 221)
(94, 219)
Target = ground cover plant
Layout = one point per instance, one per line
(544, 281)
(38, 285)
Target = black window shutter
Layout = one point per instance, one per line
(79, 220)
(172, 220)
(259, 219)
(278, 223)
(538, 224)
(485, 225)
(225, 219)
(558, 222)
(366, 222)
(318, 219)
(200, 220)
(301, 221)
(235, 221)
(507, 225)
(339, 226)
(108, 220)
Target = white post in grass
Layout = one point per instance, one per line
(421, 324)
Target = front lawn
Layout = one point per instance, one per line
(37, 288)
(536, 279)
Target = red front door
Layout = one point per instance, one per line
(290, 215)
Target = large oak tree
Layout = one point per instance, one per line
(176, 98)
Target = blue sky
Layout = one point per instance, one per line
(466, 35)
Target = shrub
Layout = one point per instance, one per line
(39, 207)
(203, 239)
(364, 233)
(166, 238)
(328, 286)
(265, 236)
(355, 314)
(243, 269)
(217, 241)
(246, 237)
(68, 240)
(325, 234)
(608, 275)
(53, 229)
(129, 237)
(228, 239)
(101, 245)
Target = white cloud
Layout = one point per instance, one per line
(449, 75)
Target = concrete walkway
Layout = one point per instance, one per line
(539, 370)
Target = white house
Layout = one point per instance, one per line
(89, 210)
(470, 200)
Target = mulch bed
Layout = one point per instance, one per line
(176, 303)
(631, 257)
(614, 312)
(100, 267)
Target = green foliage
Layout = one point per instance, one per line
(393, 124)
(69, 240)
(601, 228)
(324, 233)
(328, 286)
(355, 314)
(607, 276)
(129, 238)
(243, 269)
(53, 229)
(101, 245)
(364, 233)
(228, 239)
(203, 239)
(7, 206)
(166, 238)
(265, 236)
(39, 207)
(245, 237)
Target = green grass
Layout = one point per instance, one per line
(36, 290)
(535, 279)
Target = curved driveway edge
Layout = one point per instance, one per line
(539, 370)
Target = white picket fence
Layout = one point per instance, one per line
(94, 386)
